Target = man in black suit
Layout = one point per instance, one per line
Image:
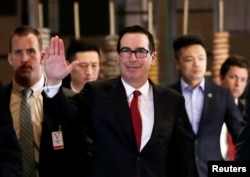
(26, 59)
(10, 153)
(104, 107)
(233, 75)
(208, 106)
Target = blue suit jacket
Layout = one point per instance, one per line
(219, 107)
(103, 107)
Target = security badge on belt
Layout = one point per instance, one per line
(57, 139)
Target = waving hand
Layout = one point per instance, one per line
(55, 65)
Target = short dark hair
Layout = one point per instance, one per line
(80, 46)
(24, 30)
(184, 41)
(136, 29)
(234, 60)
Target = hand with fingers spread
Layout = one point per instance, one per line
(55, 65)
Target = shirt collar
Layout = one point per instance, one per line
(37, 87)
(184, 85)
(145, 89)
(236, 101)
(73, 88)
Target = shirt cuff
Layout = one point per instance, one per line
(52, 90)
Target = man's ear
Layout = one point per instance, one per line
(176, 64)
(42, 57)
(10, 59)
(154, 58)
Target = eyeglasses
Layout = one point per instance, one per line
(139, 53)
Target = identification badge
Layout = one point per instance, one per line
(57, 139)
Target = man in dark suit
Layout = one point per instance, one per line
(10, 153)
(208, 106)
(104, 107)
(26, 59)
(234, 75)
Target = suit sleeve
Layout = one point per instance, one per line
(233, 117)
(243, 141)
(10, 153)
(177, 156)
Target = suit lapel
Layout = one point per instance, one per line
(159, 113)
(208, 99)
(8, 91)
(241, 106)
(119, 98)
(177, 87)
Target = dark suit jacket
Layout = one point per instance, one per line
(10, 154)
(219, 107)
(55, 163)
(66, 82)
(103, 106)
(243, 142)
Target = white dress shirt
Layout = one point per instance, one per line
(224, 139)
(146, 107)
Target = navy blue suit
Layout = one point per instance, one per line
(10, 153)
(103, 107)
(219, 107)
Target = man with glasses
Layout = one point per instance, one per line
(139, 53)
(124, 144)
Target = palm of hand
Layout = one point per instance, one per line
(55, 65)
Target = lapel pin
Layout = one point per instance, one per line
(210, 95)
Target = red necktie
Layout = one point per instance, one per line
(136, 118)
(231, 147)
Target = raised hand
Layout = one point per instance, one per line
(55, 65)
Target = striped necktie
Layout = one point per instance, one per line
(27, 136)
